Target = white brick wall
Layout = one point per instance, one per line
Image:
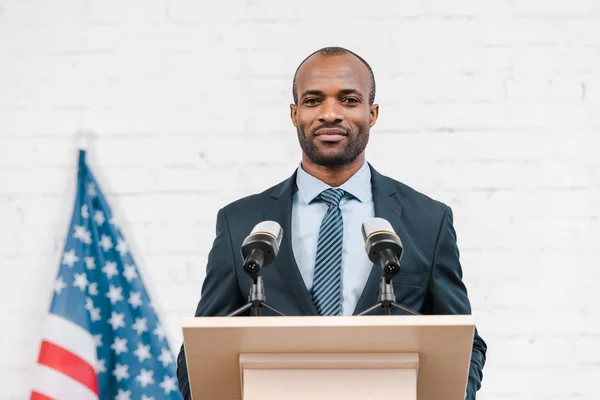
(490, 106)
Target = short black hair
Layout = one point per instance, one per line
(336, 51)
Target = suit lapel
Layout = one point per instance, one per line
(388, 207)
(280, 210)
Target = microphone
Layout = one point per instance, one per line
(383, 246)
(261, 246)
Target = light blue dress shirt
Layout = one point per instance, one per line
(356, 207)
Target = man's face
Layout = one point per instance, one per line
(333, 115)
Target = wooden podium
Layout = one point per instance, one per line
(329, 358)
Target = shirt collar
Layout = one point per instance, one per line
(310, 187)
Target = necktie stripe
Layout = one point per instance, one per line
(327, 280)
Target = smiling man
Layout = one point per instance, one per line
(322, 268)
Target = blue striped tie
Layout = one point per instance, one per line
(327, 284)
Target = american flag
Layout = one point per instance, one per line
(102, 338)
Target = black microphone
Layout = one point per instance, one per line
(383, 246)
(261, 246)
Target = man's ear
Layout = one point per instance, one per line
(293, 111)
(373, 114)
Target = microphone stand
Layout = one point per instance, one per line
(387, 299)
(256, 298)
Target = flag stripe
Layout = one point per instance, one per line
(70, 336)
(39, 396)
(58, 386)
(53, 356)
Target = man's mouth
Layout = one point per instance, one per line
(330, 134)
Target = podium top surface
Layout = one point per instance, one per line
(213, 346)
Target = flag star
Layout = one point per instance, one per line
(59, 285)
(123, 395)
(95, 314)
(165, 357)
(140, 325)
(110, 269)
(82, 234)
(168, 384)
(119, 346)
(89, 304)
(99, 217)
(92, 190)
(122, 247)
(144, 397)
(159, 331)
(114, 294)
(90, 262)
(120, 372)
(98, 340)
(105, 243)
(100, 367)
(130, 273)
(145, 378)
(80, 281)
(93, 289)
(142, 352)
(84, 211)
(135, 299)
(69, 258)
(117, 320)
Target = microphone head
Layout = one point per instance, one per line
(379, 235)
(265, 237)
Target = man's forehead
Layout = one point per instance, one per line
(330, 70)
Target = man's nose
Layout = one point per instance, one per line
(330, 111)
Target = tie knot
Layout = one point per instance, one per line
(332, 196)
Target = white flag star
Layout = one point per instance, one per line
(142, 352)
(135, 299)
(84, 211)
(59, 285)
(98, 340)
(110, 269)
(69, 258)
(117, 320)
(123, 395)
(119, 346)
(99, 218)
(140, 325)
(130, 273)
(145, 378)
(92, 190)
(105, 243)
(89, 304)
(95, 314)
(122, 247)
(144, 397)
(168, 384)
(82, 234)
(159, 331)
(120, 372)
(93, 289)
(114, 294)
(80, 281)
(100, 367)
(165, 357)
(90, 262)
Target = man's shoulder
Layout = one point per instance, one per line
(253, 201)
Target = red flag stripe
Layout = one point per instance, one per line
(64, 361)
(38, 396)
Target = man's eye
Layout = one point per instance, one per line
(311, 101)
(350, 100)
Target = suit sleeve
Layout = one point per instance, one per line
(448, 294)
(220, 291)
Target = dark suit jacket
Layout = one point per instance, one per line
(430, 280)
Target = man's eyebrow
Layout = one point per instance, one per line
(313, 92)
(350, 91)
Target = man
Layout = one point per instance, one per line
(322, 268)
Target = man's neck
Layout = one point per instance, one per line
(335, 175)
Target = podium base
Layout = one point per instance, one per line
(376, 376)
